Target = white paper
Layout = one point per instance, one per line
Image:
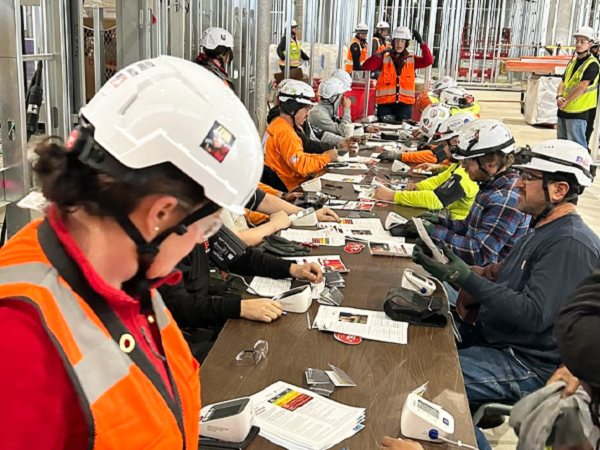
(34, 201)
(328, 236)
(317, 289)
(362, 159)
(367, 230)
(296, 418)
(343, 178)
(328, 263)
(268, 287)
(437, 253)
(373, 325)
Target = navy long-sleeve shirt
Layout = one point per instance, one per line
(543, 268)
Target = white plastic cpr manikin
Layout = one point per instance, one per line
(400, 167)
(228, 421)
(296, 300)
(420, 416)
(312, 185)
(394, 219)
(418, 283)
(305, 218)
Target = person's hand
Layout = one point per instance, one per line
(291, 197)
(327, 215)
(561, 102)
(378, 149)
(333, 154)
(373, 129)
(416, 134)
(454, 271)
(280, 221)
(492, 271)
(430, 167)
(411, 187)
(390, 156)
(417, 37)
(383, 193)
(563, 374)
(430, 217)
(467, 307)
(307, 272)
(346, 102)
(260, 310)
(400, 444)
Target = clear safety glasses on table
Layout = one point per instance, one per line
(248, 358)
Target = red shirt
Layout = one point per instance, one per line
(39, 407)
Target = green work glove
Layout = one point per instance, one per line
(454, 271)
(430, 217)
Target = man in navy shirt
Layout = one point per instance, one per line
(508, 347)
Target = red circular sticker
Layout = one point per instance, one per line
(347, 339)
(353, 247)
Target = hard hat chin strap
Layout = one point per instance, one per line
(139, 285)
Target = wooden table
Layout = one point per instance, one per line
(384, 373)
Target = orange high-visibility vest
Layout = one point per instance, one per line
(123, 407)
(381, 44)
(394, 88)
(363, 54)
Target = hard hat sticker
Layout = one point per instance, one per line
(218, 142)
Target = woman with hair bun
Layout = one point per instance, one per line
(91, 358)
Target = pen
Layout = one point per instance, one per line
(308, 319)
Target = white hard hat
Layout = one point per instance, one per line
(344, 77)
(586, 32)
(402, 33)
(558, 155)
(456, 96)
(296, 90)
(294, 23)
(444, 83)
(331, 87)
(361, 28)
(481, 137)
(449, 128)
(169, 110)
(215, 36)
(432, 118)
(382, 24)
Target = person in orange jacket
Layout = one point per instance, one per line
(395, 91)
(287, 165)
(90, 353)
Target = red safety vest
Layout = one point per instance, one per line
(394, 88)
(123, 407)
(363, 54)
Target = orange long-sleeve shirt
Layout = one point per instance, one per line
(421, 156)
(285, 155)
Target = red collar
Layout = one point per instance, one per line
(96, 282)
(203, 60)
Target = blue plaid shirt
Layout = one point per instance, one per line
(491, 228)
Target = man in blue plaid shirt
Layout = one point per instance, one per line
(494, 224)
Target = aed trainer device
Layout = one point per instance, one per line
(296, 300)
(394, 219)
(400, 167)
(228, 421)
(312, 185)
(305, 218)
(418, 283)
(420, 416)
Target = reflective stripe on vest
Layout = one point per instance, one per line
(586, 101)
(392, 88)
(363, 54)
(295, 54)
(381, 45)
(122, 406)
